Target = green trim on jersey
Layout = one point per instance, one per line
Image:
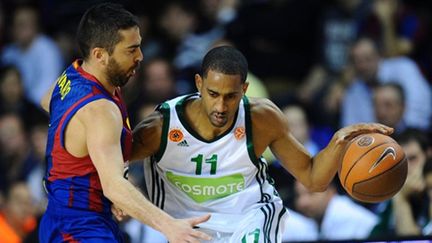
(165, 110)
(249, 138)
(262, 174)
(180, 108)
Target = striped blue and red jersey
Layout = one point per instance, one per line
(71, 181)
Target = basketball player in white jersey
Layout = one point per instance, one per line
(205, 154)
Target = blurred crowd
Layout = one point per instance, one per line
(326, 64)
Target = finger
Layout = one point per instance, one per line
(201, 235)
(192, 240)
(119, 216)
(198, 220)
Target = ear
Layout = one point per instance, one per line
(100, 55)
(198, 82)
(245, 87)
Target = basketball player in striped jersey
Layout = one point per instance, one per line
(89, 139)
(203, 154)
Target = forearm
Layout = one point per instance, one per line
(405, 222)
(390, 39)
(325, 166)
(130, 200)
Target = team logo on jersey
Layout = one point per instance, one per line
(175, 135)
(203, 189)
(239, 133)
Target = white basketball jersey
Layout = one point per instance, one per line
(190, 176)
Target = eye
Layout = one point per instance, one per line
(231, 96)
(213, 94)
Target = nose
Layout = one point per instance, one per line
(140, 56)
(221, 105)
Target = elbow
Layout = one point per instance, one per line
(109, 191)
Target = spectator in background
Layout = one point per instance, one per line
(338, 29)
(16, 157)
(395, 26)
(389, 106)
(371, 69)
(38, 137)
(159, 83)
(17, 215)
(155, 84)
(277, 37)
(192, 33)
(13, 99)
(407, 212)
(299, 127)
(36, 55)
(337, 216)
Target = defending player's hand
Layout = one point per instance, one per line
(118, 213)
(182, 231)
(345, 134)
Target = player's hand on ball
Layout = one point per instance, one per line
(346, 134)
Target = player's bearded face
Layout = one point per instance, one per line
(116, 75)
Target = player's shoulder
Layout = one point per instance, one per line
(152, 122)
(262, 107)
(100, 108)
(265, 113)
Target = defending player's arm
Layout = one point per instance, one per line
(313, 172)
(147, 137)
(103, 124)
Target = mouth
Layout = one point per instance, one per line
(219, 118)
(133, 71)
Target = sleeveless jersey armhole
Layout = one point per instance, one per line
(249, 137)
(164, 109)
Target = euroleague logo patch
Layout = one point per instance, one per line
(365, 141)
(175, 135)
(239, 133)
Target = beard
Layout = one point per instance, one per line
(116, 76)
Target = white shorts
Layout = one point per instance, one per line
(262, 225)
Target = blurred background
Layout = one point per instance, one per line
(325, 63)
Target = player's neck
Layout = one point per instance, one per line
(96, 72)
(197, 119)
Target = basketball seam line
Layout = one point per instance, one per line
(364, 154)
(400, 162)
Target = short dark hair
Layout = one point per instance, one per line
(100, 25)
(227, 60)
(413, 134)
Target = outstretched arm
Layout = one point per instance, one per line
(315, 173)
(103, 123)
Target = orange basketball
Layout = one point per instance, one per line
(373, 168)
